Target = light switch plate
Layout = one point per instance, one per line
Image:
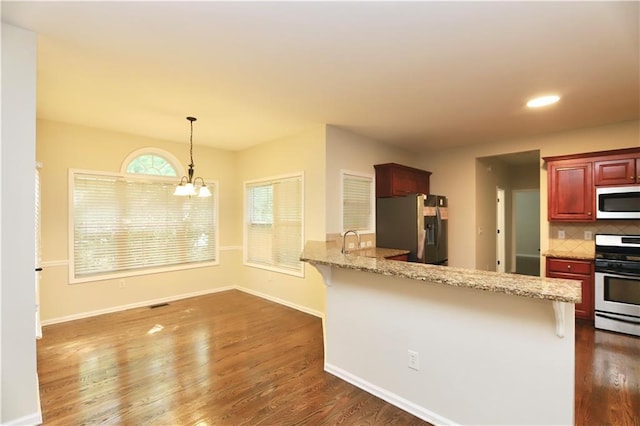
(588, 235)
(561, 234)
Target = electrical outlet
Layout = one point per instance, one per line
(351, 245)
(368, 243)
(588, 235)
(414, 360)
(561, 234)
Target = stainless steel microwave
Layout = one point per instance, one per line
(618, 202)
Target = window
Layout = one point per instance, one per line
(151, 164)
(274, 224)
(152, 161)
(123, 225)
(357, 201)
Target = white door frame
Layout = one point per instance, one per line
(500, 229)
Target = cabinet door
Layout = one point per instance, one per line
(396, 180)
(616, 172)
(571, 191)
(584, 309)
(403, 183)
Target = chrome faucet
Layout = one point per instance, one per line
(344, 239)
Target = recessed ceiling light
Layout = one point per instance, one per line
(543, 101)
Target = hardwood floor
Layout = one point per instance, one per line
(607, 377)
(225, 359)
(235, 359)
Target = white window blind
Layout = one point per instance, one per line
(357, 201)
(274, 224)
(129, 226)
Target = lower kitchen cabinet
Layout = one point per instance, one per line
(572, 269)
(400, 257)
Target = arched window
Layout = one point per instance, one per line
(130, 223)
(150, 161)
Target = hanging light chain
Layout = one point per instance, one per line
(188, 187)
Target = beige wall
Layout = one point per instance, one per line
(348, 151)
(61, 147)
(320, 153)
(454, 176)
(305, 153)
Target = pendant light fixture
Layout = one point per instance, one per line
(188, 186)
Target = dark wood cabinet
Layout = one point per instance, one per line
(581, 270)
(572, 180)
(571, 191)
(621, 171)
(396, 180)
(400, 257)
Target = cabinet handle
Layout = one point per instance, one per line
(568, 266)
(589, 213)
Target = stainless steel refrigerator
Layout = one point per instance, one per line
(417, 223)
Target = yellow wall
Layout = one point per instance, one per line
(348, 151)
(60, 147)
(320, 153)
(305, 153)
(454, 176)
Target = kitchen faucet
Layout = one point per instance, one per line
(344, 238)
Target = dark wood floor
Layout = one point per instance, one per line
(234, 359)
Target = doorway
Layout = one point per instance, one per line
(500, 229)
(526, 231)
(499, 177)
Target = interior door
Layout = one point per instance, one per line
(500, 230)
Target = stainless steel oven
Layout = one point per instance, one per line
(617, 283)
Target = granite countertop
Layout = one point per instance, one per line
(569, 255)
(373, 260)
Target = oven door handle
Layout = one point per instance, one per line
(617, 318)
(617, 272)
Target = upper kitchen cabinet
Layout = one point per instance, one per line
(570, 191)
(618, 171)
(396, 180)
(572, 180)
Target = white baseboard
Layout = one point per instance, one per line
(282, 302)
(390, 397)
(134, 305)
(30, 420)
(179, 297)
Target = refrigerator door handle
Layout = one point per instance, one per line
(439, 227)
(420, 252)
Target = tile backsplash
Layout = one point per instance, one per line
(574, 234)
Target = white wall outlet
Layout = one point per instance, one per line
(588, 235)
(561, 234)
(351, 245)
(414, 360)
(368, 243)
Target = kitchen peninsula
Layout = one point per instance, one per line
(450, 345)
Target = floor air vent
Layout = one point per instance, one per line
(159, 305)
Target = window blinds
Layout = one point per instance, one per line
(357, 202)
(274, 224)
(123, 225)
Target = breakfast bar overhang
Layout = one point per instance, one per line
(485, 348)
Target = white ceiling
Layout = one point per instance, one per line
(417, 74)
